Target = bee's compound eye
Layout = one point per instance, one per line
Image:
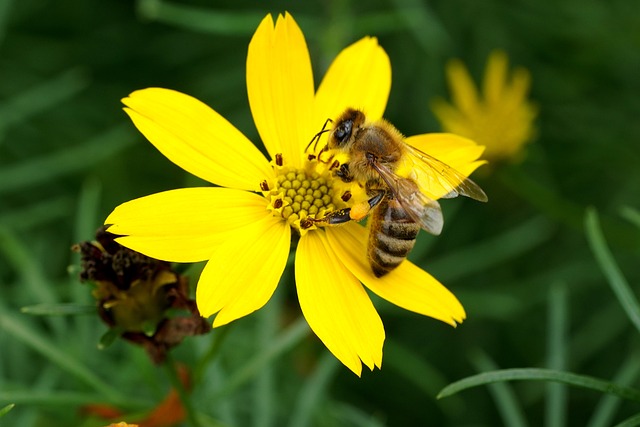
(343, 131)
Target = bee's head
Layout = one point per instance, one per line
(346, 128)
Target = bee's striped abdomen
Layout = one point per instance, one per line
(391, 236)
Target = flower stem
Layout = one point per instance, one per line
(173, 374)
(219, 336)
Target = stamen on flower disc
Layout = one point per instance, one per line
(304, 193)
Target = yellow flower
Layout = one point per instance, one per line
(501, 120)
(245, 229)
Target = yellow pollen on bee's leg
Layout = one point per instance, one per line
(360, 210)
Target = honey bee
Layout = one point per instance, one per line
(398, 206)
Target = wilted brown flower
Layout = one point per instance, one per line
(135, 293)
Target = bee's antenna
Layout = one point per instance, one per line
(316, 137)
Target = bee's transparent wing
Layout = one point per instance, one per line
(423, 210)
(440, 179)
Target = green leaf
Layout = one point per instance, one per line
(536, 374)
(630, 422)
(6, 409)
(109, 337)
(199, 19)
(610, 269)
(68, 309)
(630, 214)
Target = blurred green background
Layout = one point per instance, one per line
(522, 264)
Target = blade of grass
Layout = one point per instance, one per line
(633, 421)
(4, 411)
(86, 223)
(171, 368)
(70, 309)
(417, 371)
(348, 415)
(23, 262)
(558, 206)
(283, 342)
(537, 374)
(314, 391)
(503, 395)
(540, 196)
(556, 396)
(492, 304)
(5, 6)
(66, 160)
(218, 337)
(605, 409)
(199, 19)
(42, 97)
(36, 213)
(423, 24)
(264, 389)
(31, 275)
(631, 215)
(11, 324)
(591, 338)
(494, 251)
(54, 398)
(87, 210)
(610, 269)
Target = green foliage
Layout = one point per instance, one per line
(547, 270)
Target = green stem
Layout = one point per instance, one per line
(172, 372)
(219, 335)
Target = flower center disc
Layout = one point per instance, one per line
(302, 193)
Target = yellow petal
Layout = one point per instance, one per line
(407, 286)
(185, 225)
(359, 77)
(196, 138)
(463, 90)
(280, 87)
(336, 305)
(244, 271)
(460, 153)
(520, 83)
(495, 78)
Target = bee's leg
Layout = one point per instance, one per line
(354, 213)
(343, 173)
